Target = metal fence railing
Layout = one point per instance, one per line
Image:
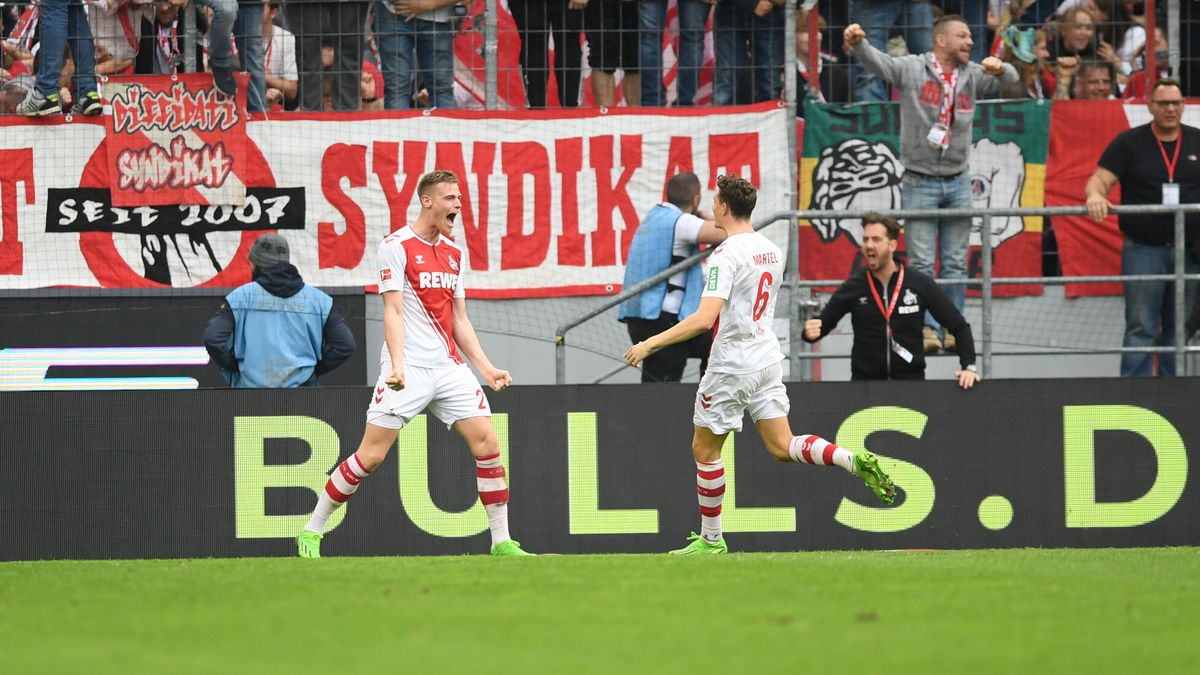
(986, 282)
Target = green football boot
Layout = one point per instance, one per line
(510, 548)
(866, 467)
(701, 545)
(308, 544)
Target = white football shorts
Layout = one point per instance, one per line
(451, 394)
(723, 398)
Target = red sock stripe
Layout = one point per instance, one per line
(494, 472)
(348, 473)
(806, 449)
(710, 492)
(358, 463)
(334, 493)
(488, 458)
(711, 475)
(493, 497)
(710, 511)
(827, 456)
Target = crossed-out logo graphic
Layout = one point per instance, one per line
(163, 200)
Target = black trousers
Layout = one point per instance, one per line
(341, 25)
(537, 21)
(666, 365)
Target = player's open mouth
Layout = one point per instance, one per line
(451, 216)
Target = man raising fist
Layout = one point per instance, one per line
(937, 111)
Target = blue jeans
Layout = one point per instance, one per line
(64, 23)
(876, 18)
(1150, 305)
(652, 15)
(926, 237)
(244, 23)
(734, 25)
(414, 52)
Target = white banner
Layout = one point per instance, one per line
(551, 200)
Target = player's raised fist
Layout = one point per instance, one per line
(992, 65)
(853, 34)
(499, 380)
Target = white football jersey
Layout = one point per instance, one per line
(746, 271)
(430, 277)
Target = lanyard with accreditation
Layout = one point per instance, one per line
(887, 312)
(1170, 189)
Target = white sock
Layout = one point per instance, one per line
(498, 522)
(816, 450)
(340, 487)
(710, 491)
(493, 492)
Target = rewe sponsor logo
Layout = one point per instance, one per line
(436, 280)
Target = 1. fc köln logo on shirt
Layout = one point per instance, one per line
(385, 274)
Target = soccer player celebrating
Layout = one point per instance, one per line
(426, 335)
(744, 370)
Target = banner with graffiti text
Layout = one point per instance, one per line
(175, 139)
(851, 160)
(550, 199)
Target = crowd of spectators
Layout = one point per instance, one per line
(400, 54)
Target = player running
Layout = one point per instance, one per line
(744, 370)
(426, 335)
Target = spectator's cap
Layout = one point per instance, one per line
(1020, 43)
(269, 249)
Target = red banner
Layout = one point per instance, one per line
(175, 140)
(1079, 133)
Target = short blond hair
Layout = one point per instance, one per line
(433, 178)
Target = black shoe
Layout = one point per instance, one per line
(87, 105)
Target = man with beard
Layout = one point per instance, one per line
(887, 303)
(937, 112)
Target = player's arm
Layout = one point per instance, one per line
(393, 336)
(698, 322)
(468, 342)
(710, 234)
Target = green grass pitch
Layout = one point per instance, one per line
(995, 611)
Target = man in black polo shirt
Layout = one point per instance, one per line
(887, 303)
(1156, 163)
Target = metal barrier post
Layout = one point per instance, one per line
(792, 258)
(985, 330)
(560, 358)
(1172, 37)
(189, 38)
(491, 51)
(1180, 295)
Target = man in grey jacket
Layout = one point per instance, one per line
(937, 112)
